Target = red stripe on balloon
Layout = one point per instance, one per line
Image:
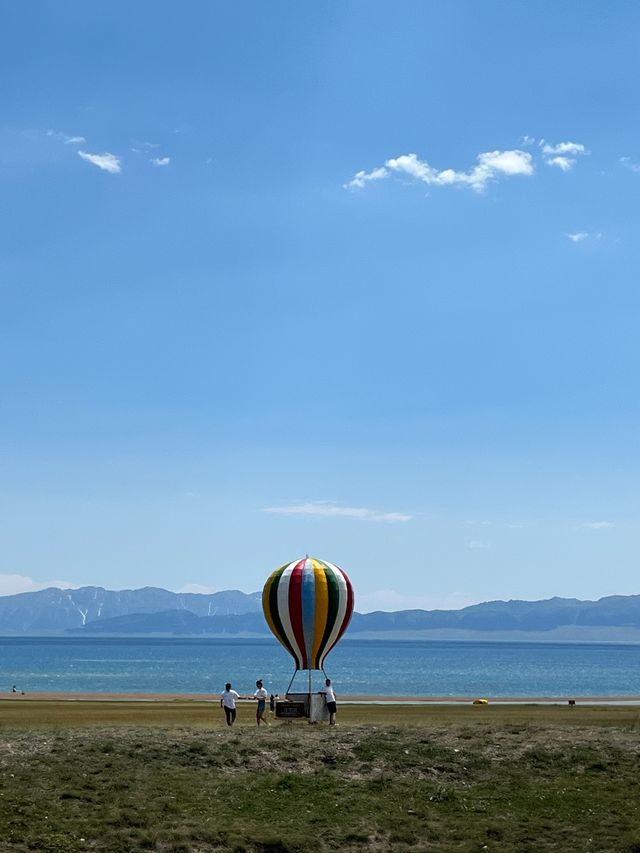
(295, 610)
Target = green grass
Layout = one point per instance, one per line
(169, 776)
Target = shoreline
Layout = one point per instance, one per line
(84, 696)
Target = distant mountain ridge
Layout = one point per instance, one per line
(56, 610)
(151, 610)
(544, 615)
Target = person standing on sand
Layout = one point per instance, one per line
(330, 699)
(228, 702)
(261, 695)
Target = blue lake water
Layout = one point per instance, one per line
(379, 667)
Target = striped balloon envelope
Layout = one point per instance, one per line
(308, 605)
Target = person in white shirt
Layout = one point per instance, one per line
(228, 702)
(330, 699)
(261, 695)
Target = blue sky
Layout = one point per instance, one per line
(352, 279)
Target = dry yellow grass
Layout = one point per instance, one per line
(26, 713)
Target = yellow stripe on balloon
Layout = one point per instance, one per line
(266, 609)
(322, 607)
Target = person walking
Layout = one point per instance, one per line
(228, 702)
(330, 699)
(261, 695)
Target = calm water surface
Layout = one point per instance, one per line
(377, 667)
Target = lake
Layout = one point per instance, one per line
(379, 667)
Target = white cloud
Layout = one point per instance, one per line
(563, 154)
(409, 164)
(564, 163)
(68, 140)
(508, 162)
(628, 163)
(489, 166)
(108, 162)
(390, 599)
(527, 140)
(198, 588)
(572, 148)
(326, 509)
(13, 584)
(581, 236)
(478, 544)
(598, 525)
(360, 179)
(160, 161)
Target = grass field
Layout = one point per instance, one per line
(169, 776)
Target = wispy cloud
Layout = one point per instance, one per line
(572, 149)
(628, 163)
(67, 140)
(598, 525)
(478, 544)
(581, 236)
(107, 162)
(564, 163)
(362, 178)
(138, 144)
(326, 509)
(489, 166)
(391, 599)
(14, 584)
(563, 154)
(160, 161)
(198, 588)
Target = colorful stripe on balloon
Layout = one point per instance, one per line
(308, 605)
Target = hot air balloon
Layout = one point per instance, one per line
(308, 605)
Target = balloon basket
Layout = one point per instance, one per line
(298, 705)
(301, 706)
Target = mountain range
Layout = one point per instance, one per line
(54, 611)
(155, 611)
